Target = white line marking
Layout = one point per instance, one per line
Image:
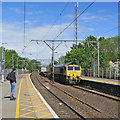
(50, 109)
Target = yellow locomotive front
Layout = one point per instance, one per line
(73, 73)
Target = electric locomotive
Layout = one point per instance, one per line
(69, 73)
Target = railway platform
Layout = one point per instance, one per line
(102, 80)
(109, 86)
(29, 102)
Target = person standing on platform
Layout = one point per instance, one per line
(13, 83)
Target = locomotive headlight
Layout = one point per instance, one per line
(69, 76)
(77, 76)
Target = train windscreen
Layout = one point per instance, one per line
(77, 68)
(70, 68)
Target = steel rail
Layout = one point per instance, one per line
(75, 111)
(100, 94)
(91, 106)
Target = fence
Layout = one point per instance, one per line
(103, 73)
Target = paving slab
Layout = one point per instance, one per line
(29, 102)
(9, 107)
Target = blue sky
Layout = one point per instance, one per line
(99, 18)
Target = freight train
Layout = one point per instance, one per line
(67, 73)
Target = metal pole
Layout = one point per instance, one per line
(17, 65)
(53, 62)
(12, 60)
(98, 57)
(94, 64)
(2, 65)
(76, 22)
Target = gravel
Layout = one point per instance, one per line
(104, 104)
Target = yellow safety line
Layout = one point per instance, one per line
(24, 105)
(27, 113)
(101, 81)
(45, 115)
(33, 111)
(27, 116)
(18, 97)
(32, 106)
(27, 108)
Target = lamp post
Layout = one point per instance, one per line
(2, 65)
(17, 65)
(3, 62)
(94, 64)
(98, 57)
(13, 60)
(53, 61)
(93, 53)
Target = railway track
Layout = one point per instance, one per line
(96, 92)
(81, 116)
(92, 108)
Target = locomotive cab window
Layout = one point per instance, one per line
(70, 68)
(77, 68)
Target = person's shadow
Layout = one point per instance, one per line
(7, 97)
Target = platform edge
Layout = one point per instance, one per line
(48, 106)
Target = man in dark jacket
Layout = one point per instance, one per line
(13, 83)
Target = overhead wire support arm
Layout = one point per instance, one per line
(53, 49)
(45, 41)
(26, 46)
(61, 41)
(47, 44)
(58, 45)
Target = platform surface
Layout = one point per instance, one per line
(101, 80)
(28, 104)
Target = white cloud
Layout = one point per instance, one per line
(17, 10)
(14, 36)
(87, 17)
(101, 11)
(70, 16)
(90, 17)
(35, 12)
(38, 12)
(28, 22)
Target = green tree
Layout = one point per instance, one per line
(61, 59)
(25, 64)
(84, 52)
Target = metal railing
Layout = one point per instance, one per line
(107, 73)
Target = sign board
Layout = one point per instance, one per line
(43, 69)
(22, 69)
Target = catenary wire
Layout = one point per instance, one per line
(74, 19)
(56, 19)
(108, 31)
